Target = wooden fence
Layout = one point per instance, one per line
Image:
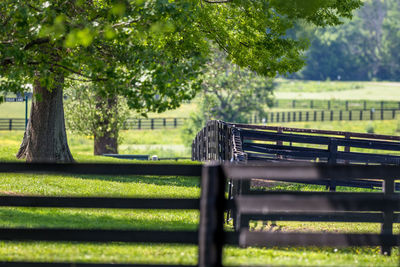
(211, 236)
(10, 124)
(326, 115)
(335, 104)
(270, 117)
(153, 123)
(283, 144)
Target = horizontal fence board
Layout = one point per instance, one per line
(370, 184)
(295, 138)
(99, 202)
(312, 153)
(104, 169)
(321, 217)
(315, 131)
(265, 239)
(80, 235)
(65, 264)
(329, 203)
(293, 171)
(319, 140)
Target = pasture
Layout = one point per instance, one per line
(148, 187)
(167, 143)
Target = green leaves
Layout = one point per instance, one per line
(152, 52)
(82, 37)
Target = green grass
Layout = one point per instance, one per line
(286, 89)
(292, 89)
(51, 185)
(149, 186)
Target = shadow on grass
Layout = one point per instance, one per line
(98, 219)
(155, 180)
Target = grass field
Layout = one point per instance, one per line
(81, 147)
(169, 144)
(285, 89)
(292, 89)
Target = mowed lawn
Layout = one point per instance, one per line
(297, 89)
(146, 186)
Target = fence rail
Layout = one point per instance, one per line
(211, 236)
(335, 104)
(327, 115)
(270, 117)
(10, 124)
(153, 123)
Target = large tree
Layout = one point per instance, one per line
(364, 48)
(140, 49)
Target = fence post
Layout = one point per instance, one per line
(307, 115)
(361, 115)
(347, 105)
(322, 116)
(350, 115)
(315, 115)
(371, 115)
(381, 114)
(10, 125)
(164, 122)
(152, 124)
(340, 115)
(294, 104)
(331, 115)
(139, 124)
(211, 228)
(332, 148)
(300, 116)
(387, 225)
(365, 105)
(393, 113)
(175, 123)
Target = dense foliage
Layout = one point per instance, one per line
(150, 52)
(136, 48)
(91, 115)
(229, 93)
(365, 48)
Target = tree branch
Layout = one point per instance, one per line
(217, 1)
(38, 41)
(80, 73)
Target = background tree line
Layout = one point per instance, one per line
(363, 48)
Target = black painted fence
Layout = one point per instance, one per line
(326, 115)
(335, 104)
(211, 236)
(270, 117)
(11, 124)
(153, 123)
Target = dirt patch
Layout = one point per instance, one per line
(10, 193)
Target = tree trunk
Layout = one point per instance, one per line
(45, 139)
(106, 140)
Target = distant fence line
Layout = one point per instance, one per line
(10, 124)
(335, 104)
(326, 115)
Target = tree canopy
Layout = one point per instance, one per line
(150, 52)
(364, 48)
